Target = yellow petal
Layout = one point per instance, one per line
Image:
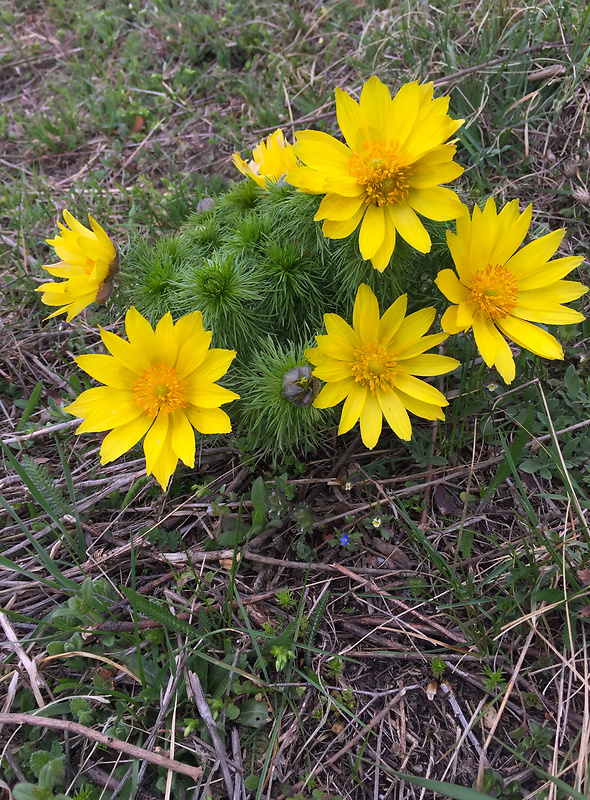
(558, 292)
(75, 225)
(341, 230)
(108, 370)
(513, 233)
(307, 180)
(419, 408)
(430, 364)
(451, 286)
(375, 102)
(206, 395)
(188, 327)
(435, 167)
(414, 326)
(338, 208)
(352, 408)
(505, 362)
(338, 328)
(549, 273)
(530, 337)
(371, 421)
(420, 390)
(395, 414)
(392, 319)
(347, 186)
(365, 316)
(193, 352)
(437, 203)
(103, 408)
(215, 364)
(548, 314)
(372, 231)
(402, 113)
(334, 348)
(330, 371)
(155, 440)
(125, 353)
(449, 321)
(123, 438)
(416, 348)
(486, 338)
(459, 246)
(410, 228)
(464, 315)
(351, 120)
(165, 348)
(527, 261)
(383, 255)
(102, 236)
(182, 437)
(139, 331)
(333, 393)
(321, 152)
(165, 464)
(208, 420)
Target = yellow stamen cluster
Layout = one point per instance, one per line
(159, 390)
(383, 172)
(374, 367)
(493, 290)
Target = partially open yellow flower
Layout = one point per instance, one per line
(373, 365)
(161, 384)
(504, 290)
(271, 159)
(391, 167)
(89, 260)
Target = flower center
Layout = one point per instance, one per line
(493, 290)
(374, 367)
(383, 172)
(159, 390)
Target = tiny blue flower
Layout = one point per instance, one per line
(344, 540)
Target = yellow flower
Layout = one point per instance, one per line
(373, 365)
(89, 261)
(391, 167)
(503, 290)
(271, 159)
(160, 383)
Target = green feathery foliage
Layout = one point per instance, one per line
(228, 293)
(272, 424)
(39, 475)
(148, 275)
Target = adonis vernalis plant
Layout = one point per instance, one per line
(388, 172)
(160, 384)
(89, 261)
(502, 291)
(373, 367)
(271, 159)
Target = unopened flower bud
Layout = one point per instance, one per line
(299, 386)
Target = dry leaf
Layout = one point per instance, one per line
(137, 124)
(583, 576)
(489, 718)
(226, 559)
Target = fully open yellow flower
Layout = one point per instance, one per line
(160, 383)
(89, 260)
(504, 290)
(391, 167)
(271, 159)
(373, 365)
